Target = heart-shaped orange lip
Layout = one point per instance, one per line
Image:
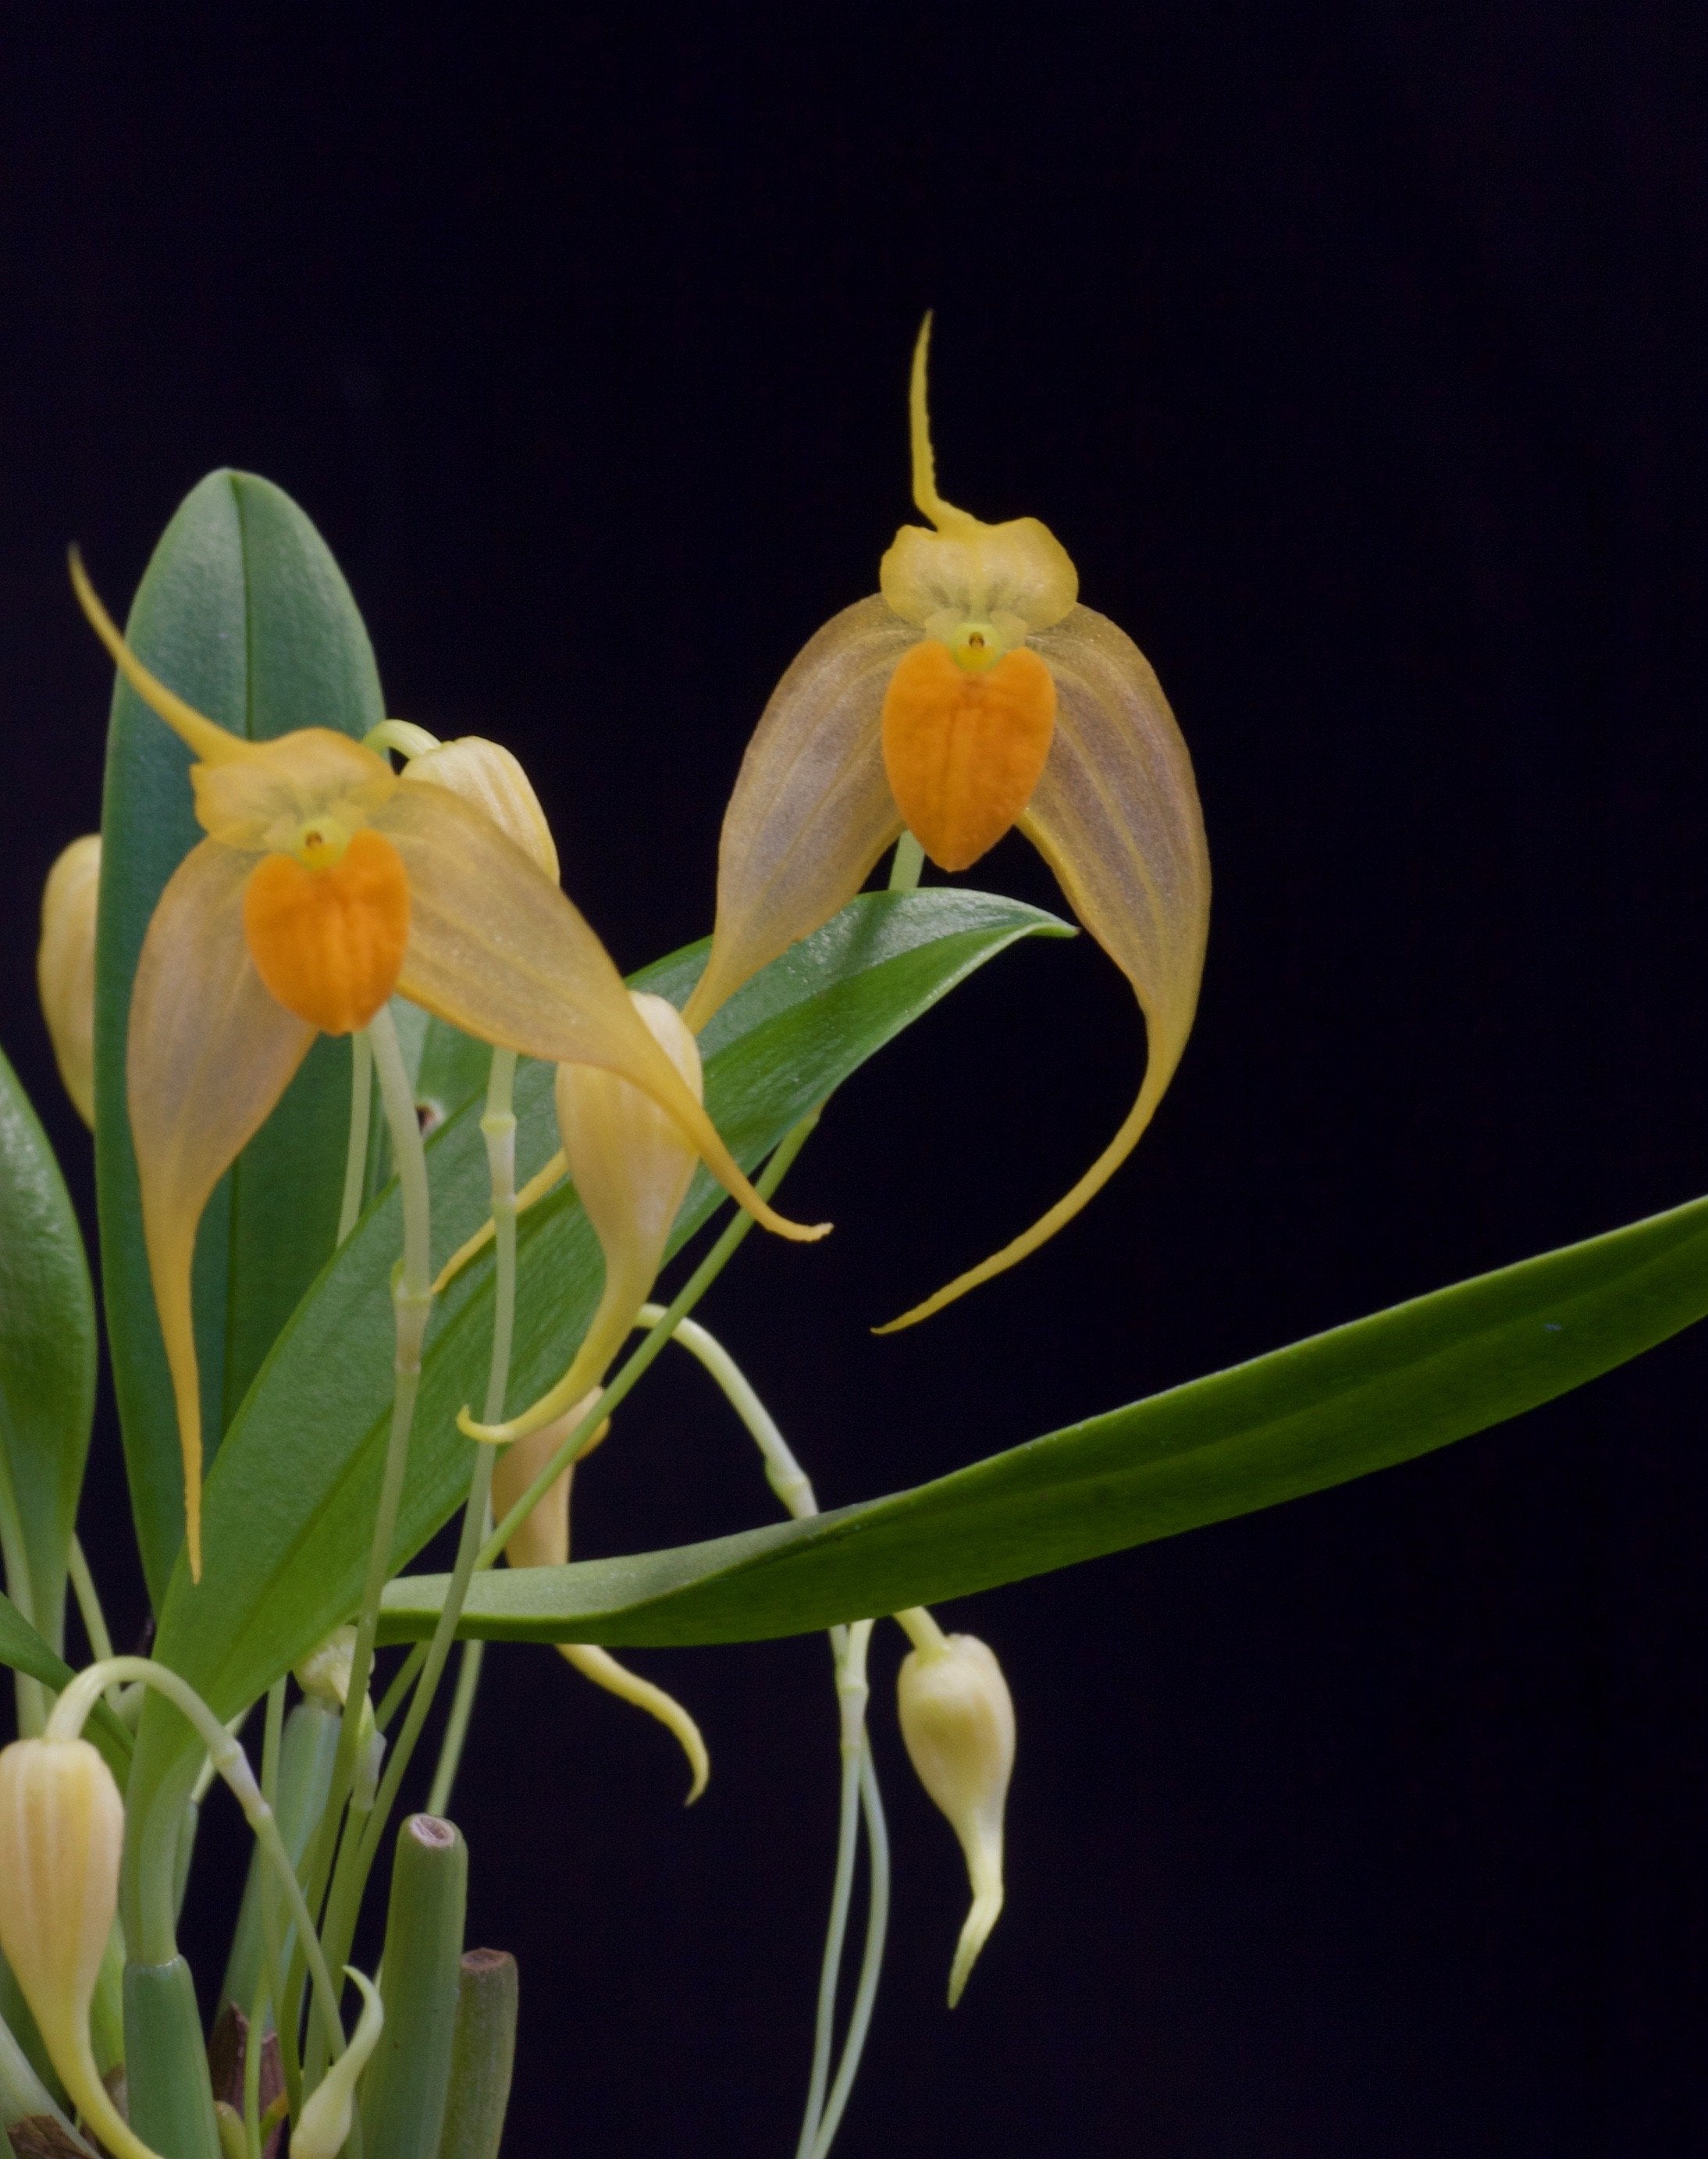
(330, 943)
(964, 751)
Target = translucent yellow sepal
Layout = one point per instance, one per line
(496, 949)
(632, 1168)
(209, 1054)
(64, 967)
(1116, 815)
(490, 776)
(212, 743)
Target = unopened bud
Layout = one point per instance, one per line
(487, 774)
(324, 1673)
(64, 967)
(324, 2123)
(324, 1676)
(62, 1830)
(957, 1719)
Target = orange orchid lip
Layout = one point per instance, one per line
(328, 941)
(964, 751)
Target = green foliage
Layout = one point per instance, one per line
(1337, 1405)
(289, 1507)
(24, 1650)
(243, 612)
(47, 1364)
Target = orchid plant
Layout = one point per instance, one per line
(333, 1333)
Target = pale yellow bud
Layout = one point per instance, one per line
(486, 773)
(65, 966)
(62, 1830)
(325, 1673)
(957, 1719)
(324, 2123)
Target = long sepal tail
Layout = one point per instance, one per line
(209, 1055)
(1116, 815)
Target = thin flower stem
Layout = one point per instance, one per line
(228, 1759)
(872, 1963)
(402, 1682)
(456, 1726)
(355, 1161)
(851, 1693)
(499, 1125)
(922, 1630)
(411, 1298)
(906, 865)
(251, 2070)
(618, 1389)
(88, 1602)
(783, 1473)
(793, 1487)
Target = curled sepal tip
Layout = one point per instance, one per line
(542, 1539)
(603, 1670)
(324, 2123)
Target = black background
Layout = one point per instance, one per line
(1354, 352)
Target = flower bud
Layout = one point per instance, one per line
(957, 1719)
(62, 1830)
(324, 2123)
(487, 774)
(65, 966)
(324, 1673)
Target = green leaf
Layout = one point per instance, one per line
(242, 611)
(24, 1650)
(47, 1364)
(1323, 1410)
(290, 1504)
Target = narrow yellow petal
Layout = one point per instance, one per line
(1115, 815)
(495, 949)
(212, 743)
(812, 810)
(602, 1669)
(208, 1055)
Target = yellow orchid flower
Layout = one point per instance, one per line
(326, 882)
(973, 695)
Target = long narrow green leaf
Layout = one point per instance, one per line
(243, 611)
(47, 1364)
(1323, 1410)
(290, 1504)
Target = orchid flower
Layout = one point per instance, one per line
(326, 881)
(971, 695)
